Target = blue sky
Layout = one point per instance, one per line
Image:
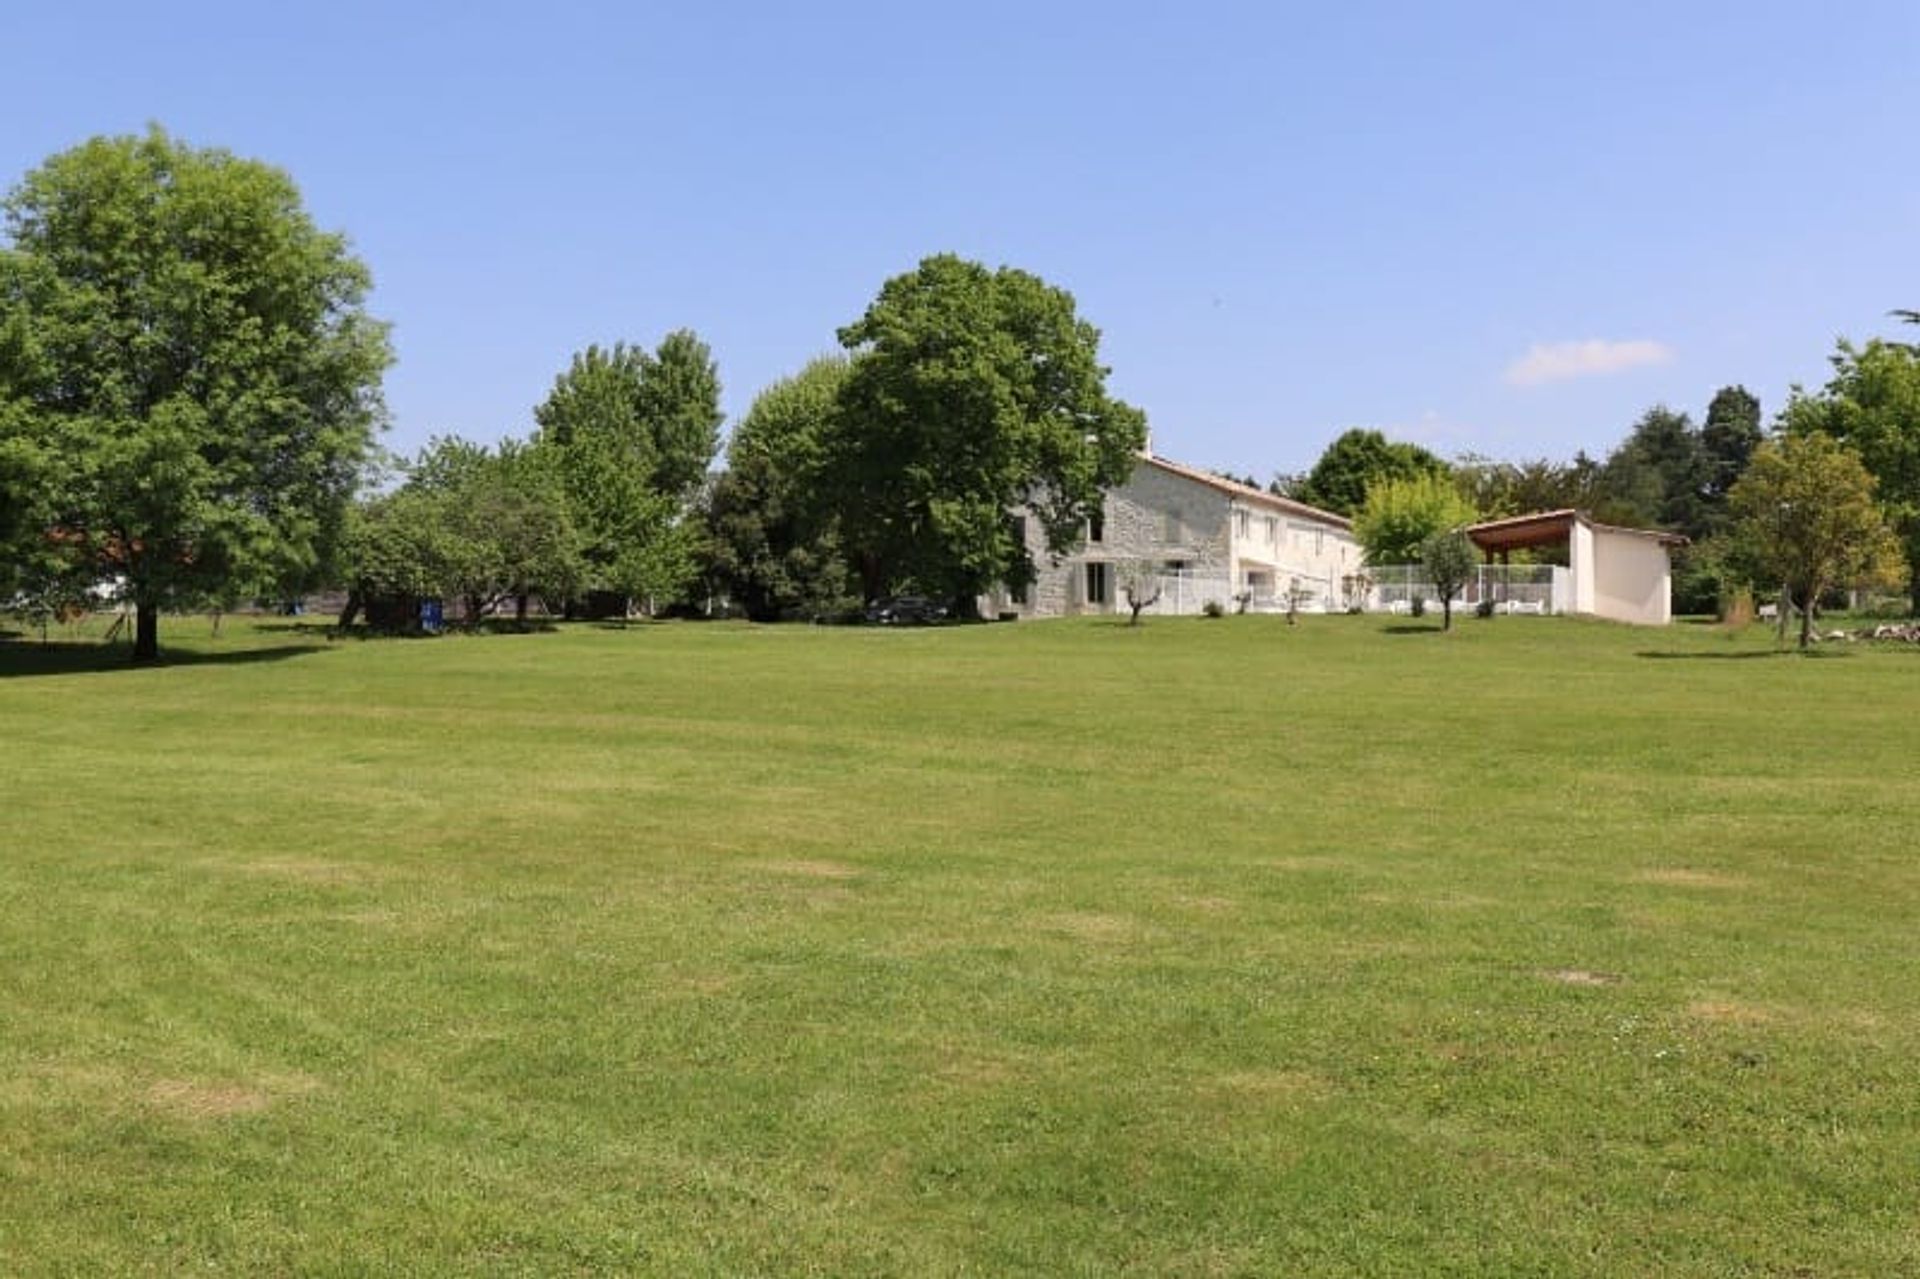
(1507, 228)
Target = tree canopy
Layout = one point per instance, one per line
(1401, 514)
(1807, 516)
(973, 392)
(772, 542)
(1355, 462)
(632, 433)
(187, 371)
(1449, 559)
(1872, 403)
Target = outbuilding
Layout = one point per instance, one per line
(1623, 574)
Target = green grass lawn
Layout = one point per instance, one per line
(1213, 947)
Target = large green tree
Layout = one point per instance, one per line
(1355, 462)
(1806, 517)
(974, 391)
(1872, 403)
(190, 362)
(1657, 475)
(1728, 438)
(773, 543)
(632, 433)
(1401, 514)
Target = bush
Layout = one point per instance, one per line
(1213, 608)
(1483, 609)
(1419, 606)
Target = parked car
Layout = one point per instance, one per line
(905, 610)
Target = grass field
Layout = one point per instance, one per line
(1208, 948)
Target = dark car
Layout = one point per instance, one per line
(905, 610)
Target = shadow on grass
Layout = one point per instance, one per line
(21, 659)
(1404, 629)
(1661, 655)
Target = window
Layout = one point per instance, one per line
(1273, 530)
(1020, 530)
(1319, 541)
(1017, 595)
(1242, 523)
(1099, 583)
(1097, 528)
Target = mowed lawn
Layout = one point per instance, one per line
(1213, 947)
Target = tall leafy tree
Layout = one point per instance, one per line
(190, 358)
(1657, 474)
(1355, 462)
(974, 391)
(773, 544)
(1807, 517)
(1401, 514)
(680, 403)
(1728, 438)
(631, 434)
(1872, 403)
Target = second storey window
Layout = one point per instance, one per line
(1242, 521)
(1097, 528)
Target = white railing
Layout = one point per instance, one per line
(1513, 588)
(1188, 593)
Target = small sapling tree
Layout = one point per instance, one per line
(1140, 583)
(1448, 557)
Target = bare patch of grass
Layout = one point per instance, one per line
(1093, 926)
(1730, 1011)
(1683, 877)
(1582, 977)
(811, 868)
(203, 1101)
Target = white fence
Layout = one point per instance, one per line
(1513, 588)
(1186, 593)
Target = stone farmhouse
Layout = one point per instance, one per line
(1205, 538)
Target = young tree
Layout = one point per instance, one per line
(1140, 581)
(1357, 461)
(1872, 404)
(192, 355)
(1807, 517)
(1449, 558)
(1401, 514)
(973, 391)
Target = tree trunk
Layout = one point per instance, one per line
(146, 632)
(350, 611)
(520, 609)
(1806, 621)
(1446, 613)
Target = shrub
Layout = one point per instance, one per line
(1213, 608)
(1419, 606)
(1483, 609)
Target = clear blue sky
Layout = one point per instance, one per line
(1285, 222)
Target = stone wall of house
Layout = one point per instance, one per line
(1155, 516)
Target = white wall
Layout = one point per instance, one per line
(1632, 579)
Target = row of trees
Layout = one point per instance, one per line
(190, 403)
(963, 392)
